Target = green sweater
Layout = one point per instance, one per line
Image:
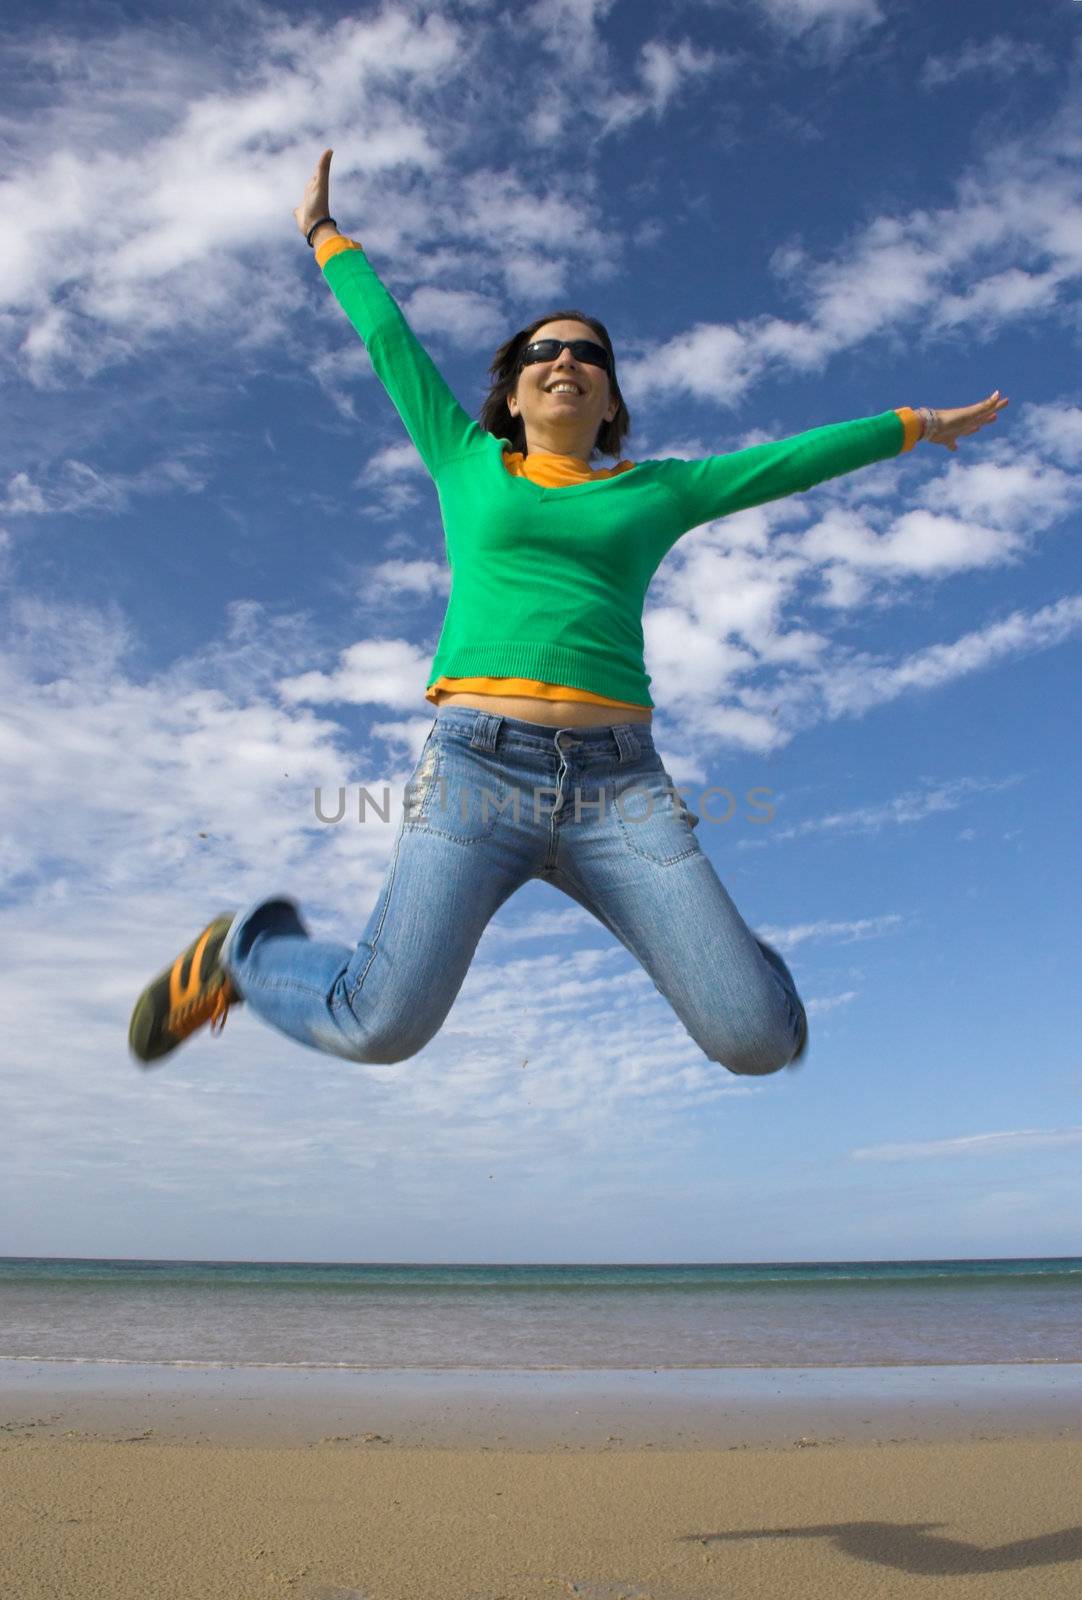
(551, 583)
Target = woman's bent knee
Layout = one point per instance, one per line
(385, 1055)
(376, 1047)
(756, 1064)
(756, 1056)
(770, 1034)
(368, 1052)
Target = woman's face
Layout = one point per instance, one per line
(568, 396)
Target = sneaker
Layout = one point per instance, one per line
(194, 990)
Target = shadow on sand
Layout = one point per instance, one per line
(911, 1547)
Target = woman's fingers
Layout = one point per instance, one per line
(321, 180)
(983, 409)
(323, 171)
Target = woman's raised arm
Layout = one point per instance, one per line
(433, 418)
(719, 485)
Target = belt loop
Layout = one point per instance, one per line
(486, 730)
(626, 742)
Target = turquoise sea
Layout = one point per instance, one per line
(544, 1317)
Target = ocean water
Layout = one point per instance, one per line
(542, 1318)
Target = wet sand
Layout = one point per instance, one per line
(214, 1482)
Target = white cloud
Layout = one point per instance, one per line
(997, 57)
(818, 1006)
(728, 592)
(401, 478)
(976, 1144)
(665, 71)
(710, 361)
(665, 68)
(999, 298)
(335, 368)
(856, 686)
(1020, 208)
(381, 672)
(24, 497)
(544, 925)
(391, 580)
(459, 316)
(49, 641)
(256, 129)
(78, 488)
(840, 21)
(834, 932)
(192, 776)
(379, 82)
(681, 651)
(917, 543)
(395, 460)
(844, 589)
(734, 725)
(793, 344)
(586, 90)
(1025, 493)
(1054, 430)
(569, 29)
(914, 805)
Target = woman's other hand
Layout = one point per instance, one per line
(316, 202)
(949, 426)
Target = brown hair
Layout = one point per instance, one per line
(495, 417)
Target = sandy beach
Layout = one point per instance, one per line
(215, 1484)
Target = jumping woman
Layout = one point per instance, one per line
(540, 762)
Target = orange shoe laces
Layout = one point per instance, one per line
(195, 1002)
(225, 998)
(211, 1006)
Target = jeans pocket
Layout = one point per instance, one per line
(455, 791)
(653, 818)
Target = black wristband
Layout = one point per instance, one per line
(312, 229)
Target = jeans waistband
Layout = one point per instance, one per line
(486, 729)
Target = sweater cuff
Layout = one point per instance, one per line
(333, 245)
(912, 426)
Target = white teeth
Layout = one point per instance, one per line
(564, 388)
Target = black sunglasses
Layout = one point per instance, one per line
(585, 350)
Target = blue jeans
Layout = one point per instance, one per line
(493, 803)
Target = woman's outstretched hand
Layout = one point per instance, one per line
(952, 425)
(316, 202)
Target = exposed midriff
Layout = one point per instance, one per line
(552, 713)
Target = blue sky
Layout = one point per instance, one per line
(224, 580)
